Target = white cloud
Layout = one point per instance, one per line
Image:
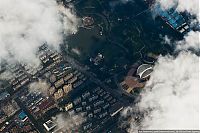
(173, 94)
(69, 122)
(39, 86)
(166, 4)
(191, 40)
(27, 24)
(191, 6)
(6, 75)
(170, 99)
(70, 20)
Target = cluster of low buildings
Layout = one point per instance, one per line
(48, 57)
(62, 79)
(92, 109)
(36, 103)
(96, 106)
(7, 109)
(19, 76)
(20, 123)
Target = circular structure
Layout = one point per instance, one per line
(144, 70)
(88, 21)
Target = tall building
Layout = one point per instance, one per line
(52, 90)
(67, 88)
(59, 94)
(59, 83)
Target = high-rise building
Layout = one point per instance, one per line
(67, 88)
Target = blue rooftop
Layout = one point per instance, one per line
(22, 115)
(171, 16)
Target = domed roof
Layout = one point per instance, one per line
(144, 70)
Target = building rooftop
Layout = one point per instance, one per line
(172, 18)
(23, 116)
(130, 83)
(144, 70)
(49, 125)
